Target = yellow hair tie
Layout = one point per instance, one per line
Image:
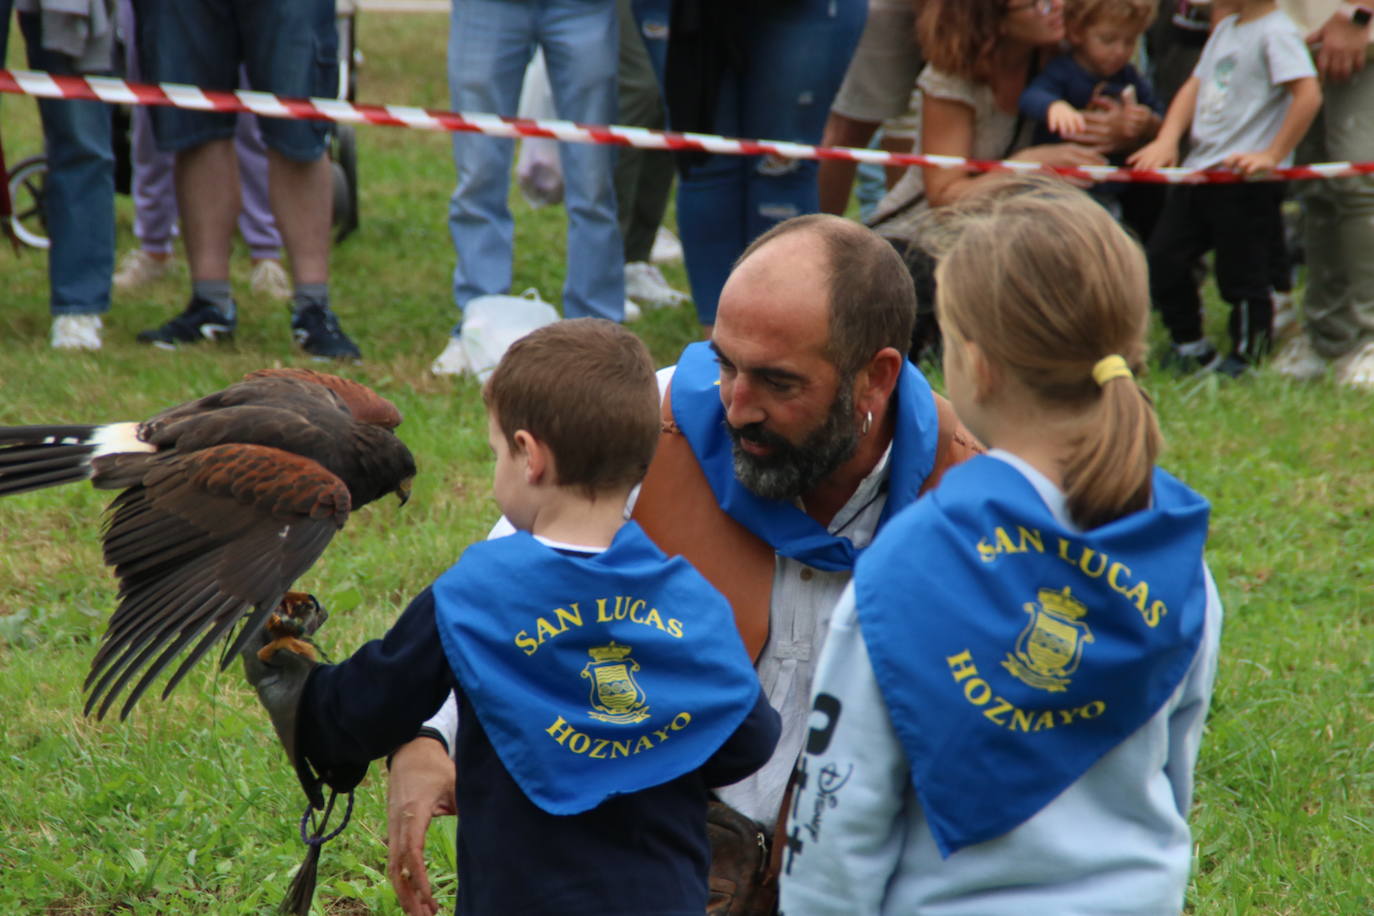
(1110, 367)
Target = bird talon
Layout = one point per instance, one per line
(289, 644)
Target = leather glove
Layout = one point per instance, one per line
(280, 677)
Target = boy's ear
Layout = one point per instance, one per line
(537, 456)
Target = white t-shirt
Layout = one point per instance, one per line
(1242, 99)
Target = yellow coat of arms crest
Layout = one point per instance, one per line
(616, 696)
(1051, 646)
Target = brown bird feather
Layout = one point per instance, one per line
(226, 501)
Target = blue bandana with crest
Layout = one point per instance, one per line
(593, 675)
(1013, 652)
(698, 411)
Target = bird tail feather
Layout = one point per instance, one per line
(35, 457)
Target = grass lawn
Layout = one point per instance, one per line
(189, 806)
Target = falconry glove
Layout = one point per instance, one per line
(278, 663)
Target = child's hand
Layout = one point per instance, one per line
(1064, 119)
(1157, 155)
(1249, 164)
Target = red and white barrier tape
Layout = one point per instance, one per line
(116, 91)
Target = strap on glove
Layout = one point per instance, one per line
(280, 678)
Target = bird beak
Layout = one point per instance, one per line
(403, 491)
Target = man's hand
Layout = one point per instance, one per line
(1339, 47)
(1111, 126)
(1157, 155)
(1249, 164)
(420, 787)
(1064, 119)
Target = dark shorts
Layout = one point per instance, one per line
(288, 47)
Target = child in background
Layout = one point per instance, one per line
(602, 687)
(1006, 719)
(1103, 35)
(1249, 101)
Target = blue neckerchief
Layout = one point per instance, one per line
(1002, 688)
(787, 529)
(593, 676)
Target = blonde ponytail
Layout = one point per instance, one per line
(1051, 288)
(1107, 474)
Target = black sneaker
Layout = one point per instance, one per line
(1189, 363)
(317, 330)
(200, 321)
(1234, 366)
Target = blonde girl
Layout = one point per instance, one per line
(1009, 705)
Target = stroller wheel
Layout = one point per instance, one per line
(345, 163)
(28, 183)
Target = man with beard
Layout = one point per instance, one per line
(789, 440)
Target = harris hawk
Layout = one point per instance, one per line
(226, 500)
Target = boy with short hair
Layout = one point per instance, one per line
(1102, 35)
(602, 687)
(1249, 101)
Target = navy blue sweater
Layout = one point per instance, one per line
(1065, 79)
(644, 854)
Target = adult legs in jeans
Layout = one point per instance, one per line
(79, 190)
(1339, 306)
(581, 42)
(490, 43)
(796, 56)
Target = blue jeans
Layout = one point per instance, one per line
(796, 57)
(78, 199)
(490, 43)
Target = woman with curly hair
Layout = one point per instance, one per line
(982, 54)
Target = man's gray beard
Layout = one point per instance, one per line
(792, 470)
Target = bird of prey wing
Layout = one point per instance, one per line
(208, 538)
(225, 501)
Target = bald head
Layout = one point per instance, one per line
(868, 295)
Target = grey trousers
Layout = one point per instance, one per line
(643, 178)
(1339, 308)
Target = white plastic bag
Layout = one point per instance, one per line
(492, 323)
(538, 170)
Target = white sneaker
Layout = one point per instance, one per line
(645, 283)
(269, 279)
(632, 312)
(76, 332)
(139, 268)
(667, 249)
(1298, 360)
(1356, 369)
(453, 361)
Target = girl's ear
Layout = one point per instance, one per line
(986, 376)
